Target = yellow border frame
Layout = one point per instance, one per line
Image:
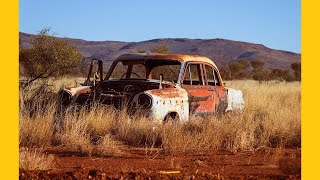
(9, 149)
(9, 90)
(310, 98)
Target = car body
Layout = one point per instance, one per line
(161, 86)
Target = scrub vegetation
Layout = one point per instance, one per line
(271, 119)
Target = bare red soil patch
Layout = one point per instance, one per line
(137, 163)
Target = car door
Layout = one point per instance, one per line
(214, 84)
(201, 99)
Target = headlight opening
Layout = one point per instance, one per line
(66, 97)
(145, 101)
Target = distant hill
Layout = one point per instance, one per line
(219, 50)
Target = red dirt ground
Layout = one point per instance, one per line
(138, 163)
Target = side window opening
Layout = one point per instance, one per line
(212, 76)
(193, 75)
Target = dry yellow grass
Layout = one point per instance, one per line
(271, 118)
(34, 159)
(276, 108)
(35, 132)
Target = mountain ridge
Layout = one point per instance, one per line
(221, 51)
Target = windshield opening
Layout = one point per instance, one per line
(147, 69)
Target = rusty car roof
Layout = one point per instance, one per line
(158, 56)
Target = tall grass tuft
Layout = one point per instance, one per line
(34, 159)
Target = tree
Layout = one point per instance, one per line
(280, 74)
(49, 56)
(257, 64)
(258, 72)
(239, 69)
(296, 67)
(161, 49)
(225, 72)
(139, 50)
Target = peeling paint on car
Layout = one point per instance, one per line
(235, 100)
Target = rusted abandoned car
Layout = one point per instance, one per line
(162, 86)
